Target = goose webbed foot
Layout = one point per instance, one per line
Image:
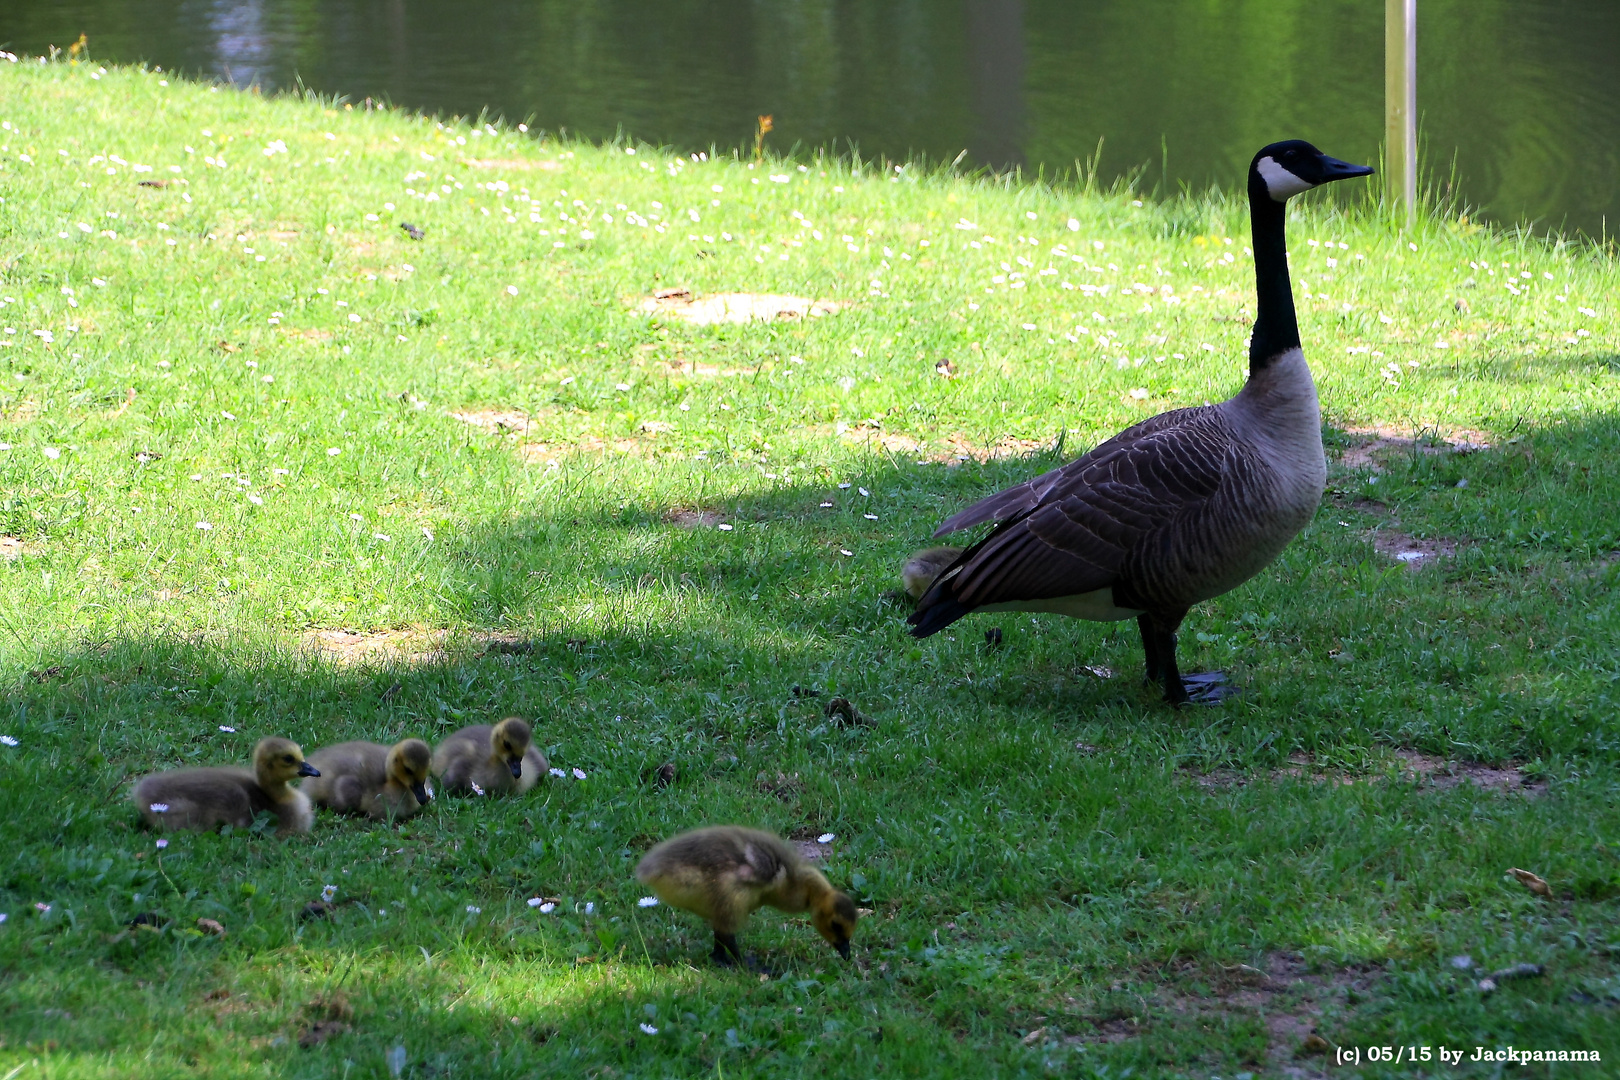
(1204, 688)
(1159, 648)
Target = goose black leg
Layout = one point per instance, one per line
(1159, 647)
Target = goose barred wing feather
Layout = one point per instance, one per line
(1084, 526)
(1005, 505)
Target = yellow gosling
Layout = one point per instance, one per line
(484, 760)
(922, 568)
(725, 872)
(385, 782)
(204, 799)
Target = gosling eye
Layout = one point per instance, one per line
(287, 760)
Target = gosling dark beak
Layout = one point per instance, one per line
(421, 793)
(1334, 169)
(306, 769)
(516, 765)
(843, 949)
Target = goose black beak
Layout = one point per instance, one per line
(516, 765)
(306, 769)
(1334, 169)
(421, 793)
(843, 949)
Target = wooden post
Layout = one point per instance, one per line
(1400, 104)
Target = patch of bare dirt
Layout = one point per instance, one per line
(680, 366)
(351, 649)
(546, 453)
(892, 441)
(1437, 772)
(10, 548)
(685, 518)
(1379, 442)
(784, 786)
(494, 421)
(1006, 447)
(739, 307)
(513, 164)
(1410, 550)
(306, 334)
(1289, 999)
(1427, 770)
(807, 843)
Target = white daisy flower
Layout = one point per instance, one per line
(647, 901)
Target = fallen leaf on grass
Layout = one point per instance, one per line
(841, 712)
(1033, 1037)
(1489, 984)
(317, 909)
(1313, 1044)
(211, 926)
(320, 1031)
(1532, 882)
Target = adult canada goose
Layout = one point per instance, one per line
(490, 760)
(384, 782)
(205, 799)
(1179, 508)
(726, 872)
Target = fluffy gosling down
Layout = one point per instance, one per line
(204, 799)
(384, 782)
(923, 567)
(488, 760)
(723, 873)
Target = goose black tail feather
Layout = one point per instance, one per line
(929, 620)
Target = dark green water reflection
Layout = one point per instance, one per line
(1520, 98)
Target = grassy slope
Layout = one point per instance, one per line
(1031, 837)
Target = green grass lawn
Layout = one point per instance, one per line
(272, 466)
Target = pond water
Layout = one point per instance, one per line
(1519, 99)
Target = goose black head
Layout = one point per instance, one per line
(1285, 169)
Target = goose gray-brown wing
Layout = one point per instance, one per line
(1092, 515)
(1020, 498)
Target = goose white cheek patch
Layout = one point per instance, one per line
(1280, 183)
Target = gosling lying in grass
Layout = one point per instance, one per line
(384, 782)
(206, 799)
(923, 567)
(725, 872)
(488, 760)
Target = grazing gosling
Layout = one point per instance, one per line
(204, 799)
(723, 873)
(490, 760)
(384, 782)
(923, 567)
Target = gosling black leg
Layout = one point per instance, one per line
(726, 953)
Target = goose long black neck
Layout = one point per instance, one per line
(1276, 329)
